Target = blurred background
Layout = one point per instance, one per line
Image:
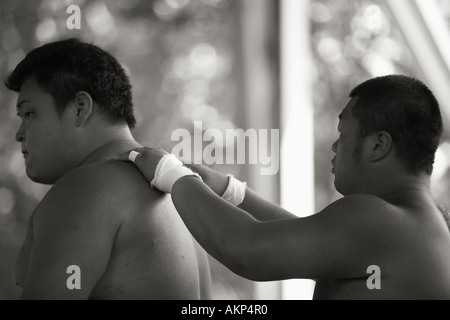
(250, 64)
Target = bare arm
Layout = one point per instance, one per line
(312, 247)
(260, 208)
(339, 242)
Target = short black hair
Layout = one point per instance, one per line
(407, 109)
(65, 67)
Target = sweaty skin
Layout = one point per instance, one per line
(99, 215)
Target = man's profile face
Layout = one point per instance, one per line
(345, 168)
(44, 137)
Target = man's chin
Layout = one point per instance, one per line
(339, 188)
(39, 178)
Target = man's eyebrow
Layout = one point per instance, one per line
(19, 105)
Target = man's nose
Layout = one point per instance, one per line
(20, 134)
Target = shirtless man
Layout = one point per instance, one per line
(387, 221)
(127, 239)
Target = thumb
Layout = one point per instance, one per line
(125, 156)
(122, 157)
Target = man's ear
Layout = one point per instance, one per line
(381, 146)
(83, 107)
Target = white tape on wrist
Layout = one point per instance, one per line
(235, 192)
(168, 171)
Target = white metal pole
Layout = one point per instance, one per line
(297, 120)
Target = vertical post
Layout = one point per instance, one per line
(260, 72)
(297, 120)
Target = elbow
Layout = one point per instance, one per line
(245, 260)
(240, 265)
(247, 267)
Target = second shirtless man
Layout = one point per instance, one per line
(127, 239)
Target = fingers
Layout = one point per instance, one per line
(133, 155)
(125, 156)
(136, 154)
(122, 157)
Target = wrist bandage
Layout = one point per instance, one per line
(168, 171)
(235, 192)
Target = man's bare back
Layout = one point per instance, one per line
(135, 246)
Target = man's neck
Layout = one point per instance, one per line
(114, 144)
(402, 186)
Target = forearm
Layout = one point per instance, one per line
(260, 208)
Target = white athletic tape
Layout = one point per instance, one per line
(235, 192)
(168, 171)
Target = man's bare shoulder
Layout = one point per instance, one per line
(111, 174)
(366, 206)
(381, 222)
(362, 205)
(113, 178)
(110, 186)
(366, 217)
